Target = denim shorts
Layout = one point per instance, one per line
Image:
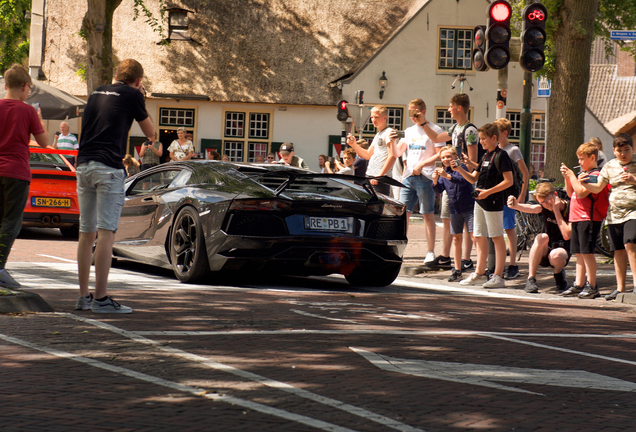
(418, 188)
(458, 220)
(100, 192)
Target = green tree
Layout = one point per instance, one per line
(571, 28)
(14, 32)
(97, 29)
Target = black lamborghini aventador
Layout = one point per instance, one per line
(199, 217)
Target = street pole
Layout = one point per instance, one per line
(525, 136)
(502, 92)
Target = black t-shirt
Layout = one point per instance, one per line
(551, 228)
(108, 115)
(489, 176)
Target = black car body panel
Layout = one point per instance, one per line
(260, 217)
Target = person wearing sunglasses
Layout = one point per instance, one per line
(552, 247)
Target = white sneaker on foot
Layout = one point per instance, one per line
(495, 281)
(109, 306)
(430, 257)
(475, 279)
(84, 303)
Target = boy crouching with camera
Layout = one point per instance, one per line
(460, 202)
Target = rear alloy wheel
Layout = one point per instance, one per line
(374, 276)
(187, 247)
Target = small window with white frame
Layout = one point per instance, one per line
(515, 121)
(242, 145)
(455, 48)
(176, 117)
(178, 25)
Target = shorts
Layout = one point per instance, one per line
(487, 223)
(584, 235)
(100, 192)
(458, 220)
(619, 234)
(509, 221)
(445, 212)
(420, 187)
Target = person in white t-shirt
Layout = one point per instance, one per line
(419, 165)
(379, 154)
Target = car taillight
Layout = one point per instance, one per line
(259, 205)
(387, 209)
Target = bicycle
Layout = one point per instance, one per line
(528, 225)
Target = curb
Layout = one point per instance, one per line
(629, 297)
(15, 301)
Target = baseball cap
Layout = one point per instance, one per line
(286, 148)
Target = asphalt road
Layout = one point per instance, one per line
(308, 354)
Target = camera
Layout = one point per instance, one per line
(400, 134)
(474, 194)
(439, 164)
(458, 162)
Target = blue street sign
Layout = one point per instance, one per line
(544, 88)
(623, 35)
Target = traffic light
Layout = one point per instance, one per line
(532, 57)
(479, 52)
(343, 112)
(498, 34)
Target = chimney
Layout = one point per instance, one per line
(626, 66)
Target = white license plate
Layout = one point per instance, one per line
(327, 224)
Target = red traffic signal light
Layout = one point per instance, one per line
(533, 36)
(479, 52)
(343, 112)
(498, 34)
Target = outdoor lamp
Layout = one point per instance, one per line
(383, 83)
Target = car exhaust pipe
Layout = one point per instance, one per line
(46, 219)
(55, 219)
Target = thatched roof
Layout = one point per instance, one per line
(266, 51)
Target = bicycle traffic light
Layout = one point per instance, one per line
(479, 52)
(343, 112)
(532, 57)
(498, 34)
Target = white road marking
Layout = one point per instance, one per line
(319, 424)
(299, 312)
(57, 258)
(483, 375)
(351, 409)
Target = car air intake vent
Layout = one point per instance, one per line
(310, 185)
(256, 225)
(386, 230)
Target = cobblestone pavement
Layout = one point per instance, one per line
(310, 354)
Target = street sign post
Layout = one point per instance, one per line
(544, 88)
(628, 35)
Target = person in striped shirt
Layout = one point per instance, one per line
(66, 141)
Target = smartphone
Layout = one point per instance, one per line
(458, 162)
(459, 152)
(413, 113)
(400, 134)
(474, 194)
(439, 164)
(36, 105)
(592, 179)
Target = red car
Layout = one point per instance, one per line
(52, 201)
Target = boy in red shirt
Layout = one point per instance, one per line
(17, 122)
(587, 211)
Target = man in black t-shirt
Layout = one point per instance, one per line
(552, 247)
(107, 119)
(493, 175)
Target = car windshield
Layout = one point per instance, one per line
(48, 161)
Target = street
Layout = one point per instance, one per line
(307, 354)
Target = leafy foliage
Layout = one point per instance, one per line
(14, 31)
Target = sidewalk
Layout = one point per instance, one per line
(417, 248)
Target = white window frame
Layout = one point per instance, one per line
(244, 147)
(455, 68)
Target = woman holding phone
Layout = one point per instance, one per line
(150, 153)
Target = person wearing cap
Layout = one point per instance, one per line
(289, 158)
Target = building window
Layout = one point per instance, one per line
(515, 120)
(176, 117)
(178, 25)
(443, 118)
(242, 147)
(394, 119)
(455, 48)
(538, 127)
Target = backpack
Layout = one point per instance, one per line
(461, 141)
(517, 178)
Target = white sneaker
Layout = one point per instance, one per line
(109, 306)
(474, 279)
(495, 281)
(430, 257)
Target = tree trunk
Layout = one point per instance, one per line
(573, 46)
(98, 30)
